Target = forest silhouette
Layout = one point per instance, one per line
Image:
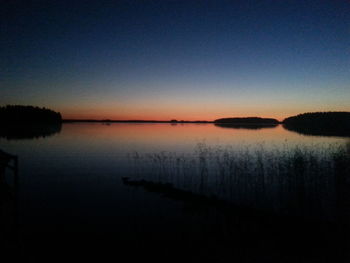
(28, 122)
(28, 114)
(320, 123)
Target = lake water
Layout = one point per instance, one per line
(70, 188)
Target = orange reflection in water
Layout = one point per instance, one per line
(148, 137)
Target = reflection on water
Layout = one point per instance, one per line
(72, 197)
(319, 131)
(122, 138)
(29, 131)
(245, 126)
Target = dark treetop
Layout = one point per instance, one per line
(15, 114)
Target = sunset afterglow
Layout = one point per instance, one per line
(190, 60)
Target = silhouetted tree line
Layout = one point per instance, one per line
(28, 114)
(247, 120)
(320, 123)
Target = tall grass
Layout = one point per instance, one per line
(296, 180)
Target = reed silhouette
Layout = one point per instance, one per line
(297, 181)
(296, 200)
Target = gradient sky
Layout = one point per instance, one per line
(191, 60)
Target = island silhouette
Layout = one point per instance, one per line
(253, 123)
(247, 120)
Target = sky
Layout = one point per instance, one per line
(185, 60)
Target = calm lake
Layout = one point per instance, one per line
(71, 190)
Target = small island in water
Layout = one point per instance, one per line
(246, 123)
(247, 120)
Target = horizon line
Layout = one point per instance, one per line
(147, 121)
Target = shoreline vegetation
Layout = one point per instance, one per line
(35, 119)
(293, 181)
(242, 227)
(314, 123)
(289, 198)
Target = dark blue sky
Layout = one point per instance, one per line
(176, 59)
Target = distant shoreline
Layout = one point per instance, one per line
(16, 119)
(132, 121)
(153, 121)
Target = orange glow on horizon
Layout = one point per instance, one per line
(186, 112)
(166, 116)
(155, 118)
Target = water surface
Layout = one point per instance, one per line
(70, 182)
